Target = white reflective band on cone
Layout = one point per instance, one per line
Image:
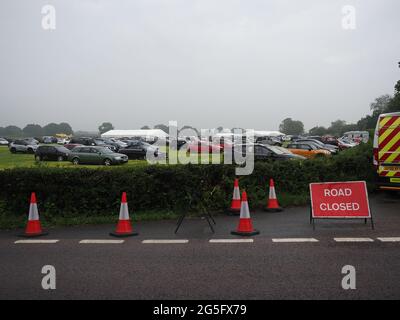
(123, 212)
(272, 194)
(33, 212)
(236, 193)
(244, 210)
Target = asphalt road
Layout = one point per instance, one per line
(266, 268)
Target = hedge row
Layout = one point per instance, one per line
(71, 192)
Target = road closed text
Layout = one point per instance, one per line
(339, 199)
(339, 206)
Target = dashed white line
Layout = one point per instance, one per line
(170, 241)
(231, 240)
(294, 240)
(35, 241)
(353, 239)
(389, 239)
(94, 241)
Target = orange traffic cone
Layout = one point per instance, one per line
(235, 204)
(272, 205)
(33, 227)
(245, 227)
(124, 227)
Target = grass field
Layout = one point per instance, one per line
(9, 160)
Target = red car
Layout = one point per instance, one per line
(203, 146)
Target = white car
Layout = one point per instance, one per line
(3, 142)
(22, 146)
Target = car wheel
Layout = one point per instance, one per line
(60, 158)
(30, 150)
(107, 162)
(75, 161)
(13, 150)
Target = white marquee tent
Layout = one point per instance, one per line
(145, 133)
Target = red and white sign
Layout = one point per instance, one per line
(339, 200)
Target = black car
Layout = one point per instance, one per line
(265, 152)
(138, 150)
(57, 153)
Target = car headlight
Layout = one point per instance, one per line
(118, 158)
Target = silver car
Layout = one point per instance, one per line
(22, 146)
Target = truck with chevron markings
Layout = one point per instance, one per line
(387, 151)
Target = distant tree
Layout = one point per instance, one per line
(317, 131)
(145, 128)
(337, 128)
(220, 129)
(190, 128)
(33, 130)
(105, 126)
(291, 127)
(13, 132)
(380, 104)
(65, 128)
(51, 129)
(2, 132)
(394, 104)
(162, 127)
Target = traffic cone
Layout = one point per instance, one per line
(235, 204)
(124, 227)
(33, 227)
(245, 227)
(272, 205)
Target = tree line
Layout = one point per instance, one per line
(35, 130)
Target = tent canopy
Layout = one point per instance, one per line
(150, 133)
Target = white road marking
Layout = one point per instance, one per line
(353, 239)
(389, 239)
(171, 241)
(293, 240)
(231, 240)
(35, 241)
(93, 241)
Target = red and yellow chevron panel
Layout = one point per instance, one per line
(389, 143)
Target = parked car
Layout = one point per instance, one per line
(91, 142)
(49, 139)
(58, 153)
(96, 155)
(331, 148)
(22, 146)
(265, 152)
(139, 149)
(203, 146)
(31, 140)
(3, 142)
(116, 144)
(71, 146)
(345, 143)
(307, 150)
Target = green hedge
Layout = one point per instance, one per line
(72, 192)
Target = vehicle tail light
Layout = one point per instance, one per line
(375, 157)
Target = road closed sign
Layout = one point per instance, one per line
(339, 200)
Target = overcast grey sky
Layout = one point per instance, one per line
(205, 63)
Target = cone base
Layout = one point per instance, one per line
(278, 209)
(123, 235)
(33, 235)
(247, 234)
